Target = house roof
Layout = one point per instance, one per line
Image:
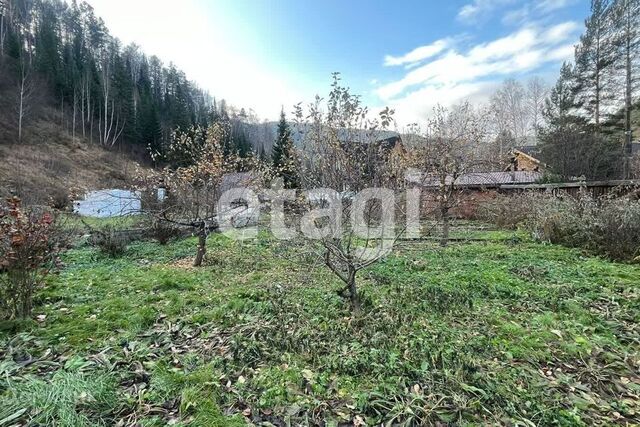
(480, 179)
(530, 150)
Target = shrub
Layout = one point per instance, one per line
(29, 244)
(507, 211)
(162, 231)
(607, 226)
(59, 199)
(612, 228)
(110, 240)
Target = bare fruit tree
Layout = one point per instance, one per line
(351, 179)
(451, 151)
(194, 185)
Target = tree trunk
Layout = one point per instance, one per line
(82, 112)
(444, 212)
(20, 115)
(628, 137)
(2, 36)
(73, 125)
(202, 246)
(22, 100)
(354, 297)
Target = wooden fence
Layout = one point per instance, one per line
(595, 188)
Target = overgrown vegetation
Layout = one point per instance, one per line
(29, 245)
(110, 240)
(505, 332)
(607, 226)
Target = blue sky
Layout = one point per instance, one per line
(262, 54)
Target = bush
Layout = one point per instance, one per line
(110, 240)
(607, 226)
(59, 199)
(29, 244)
(508, 211)
(612, 228)
(162, 231)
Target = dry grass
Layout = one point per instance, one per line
(50, 167)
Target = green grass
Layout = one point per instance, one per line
(504, 331)
(69, 399)
(76, 222)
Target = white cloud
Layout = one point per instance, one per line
(537, 9)
(562, 53)
(546, 6)
(418, 105)
(201, 44)
(456, 75)
(478, 9)
(560, 32)
(418, 54)
(517, 16)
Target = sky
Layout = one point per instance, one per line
(409, 55)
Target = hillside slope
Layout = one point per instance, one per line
(50, 167)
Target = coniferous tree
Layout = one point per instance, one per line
(594, 60)
(570, 144)
(626, 18)
(283, 155)
(561, 106)
(105, 92)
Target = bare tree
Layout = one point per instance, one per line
(195, 186)
(357, 180)
(537, 92)
(110, 126)
(25, 91)
(451, 151)
(508, 105)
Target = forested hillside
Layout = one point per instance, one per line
(78, 109)
(62, 55)
(111, 93)
(60, 64)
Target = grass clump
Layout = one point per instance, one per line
(68, 399)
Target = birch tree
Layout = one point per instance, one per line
(110, 124)
(4, 11)
(536, 94)
(24, 94)
(509, 107)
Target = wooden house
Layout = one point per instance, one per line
(523, 160)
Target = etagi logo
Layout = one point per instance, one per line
(367, 220)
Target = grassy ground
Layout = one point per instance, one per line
(485, 332)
